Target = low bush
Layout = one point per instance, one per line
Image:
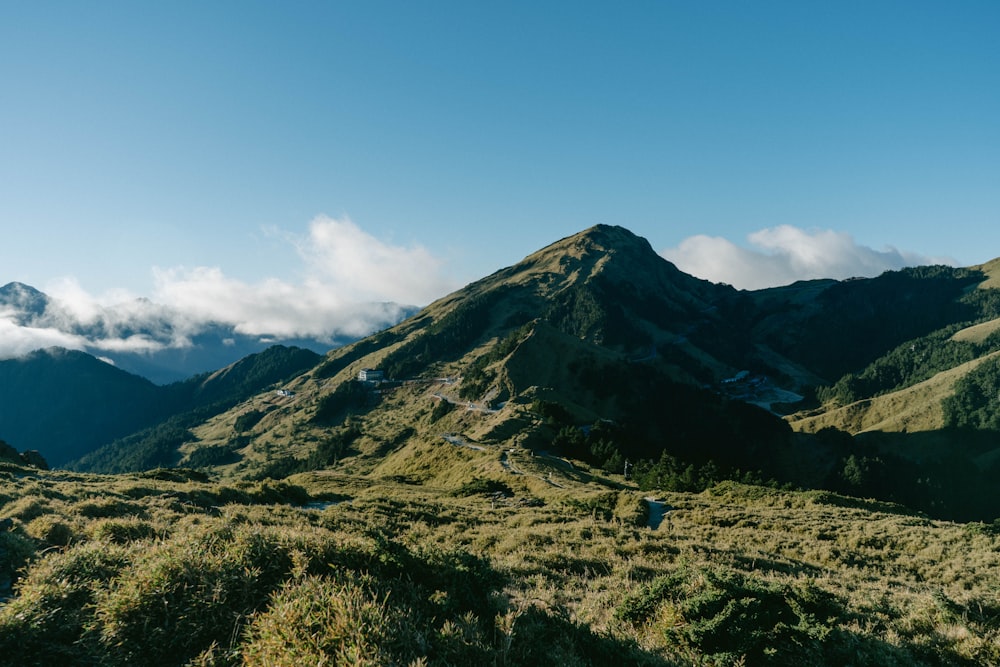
(730, 617)
(50, 531)
(122, 531)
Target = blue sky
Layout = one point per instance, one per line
(176, 149)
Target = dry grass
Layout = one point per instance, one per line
(562, 570)
(911, 410)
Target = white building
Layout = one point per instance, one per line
(370, 375)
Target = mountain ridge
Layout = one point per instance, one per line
(565, 462)
(598, 349)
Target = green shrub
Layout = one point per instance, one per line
(122, 531)
(318, 621)
(177, 598)
(631, 509)
(50, 531)
(27, 508)
(730, 617)
(478, 485)
(247, 420)
(107, 508)
(49, 622)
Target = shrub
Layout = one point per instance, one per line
(631, 509)
(106, 508)
(47, 623)
(478, 485)
(122, 531)
(316, 621)
(27, 508)
(176, 599)
(50, 531)
(730, 617)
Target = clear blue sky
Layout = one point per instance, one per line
(136, 135)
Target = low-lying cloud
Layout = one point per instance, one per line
(784, 254)
(351, 284)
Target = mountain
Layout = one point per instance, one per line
(23, 303)
(598, 350)
(66, 403)
(586, 458)
(140, 337)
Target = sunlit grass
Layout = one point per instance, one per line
(171, 568)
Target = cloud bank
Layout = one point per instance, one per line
(351, 284)
(781, 255)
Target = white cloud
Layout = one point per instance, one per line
(17, 340)
(781, 255)
(351, 284)
(363, 268)
(270, 307)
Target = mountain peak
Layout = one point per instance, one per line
(24, 299)
(600, 239)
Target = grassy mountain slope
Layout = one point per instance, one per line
(185, 404)
(594, 328)
(912, 409)
(473, 507)
(596, 350)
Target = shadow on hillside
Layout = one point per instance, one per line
(946, 474)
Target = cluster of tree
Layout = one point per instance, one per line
(912, 362)
(657, 417)
(975, 403)
(656, 414)
(348, 397)
(153, 447)
(214, 455)
(247, 420)
(592, 312)
(949, 486)
(337, 444)
(856, 321)
(600, 445)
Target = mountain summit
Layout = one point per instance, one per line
(22, 302)
(599, 350)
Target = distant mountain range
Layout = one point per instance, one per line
(597, 350)
(140, 337)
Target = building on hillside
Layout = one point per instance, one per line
(371, 375)
(739, 377)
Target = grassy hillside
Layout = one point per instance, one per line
(171, 568)
(912, 409)
(184, 405)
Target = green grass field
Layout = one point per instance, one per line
(171, 568)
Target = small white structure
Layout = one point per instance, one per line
(285, 392)
(739, 377)
(370, 375)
